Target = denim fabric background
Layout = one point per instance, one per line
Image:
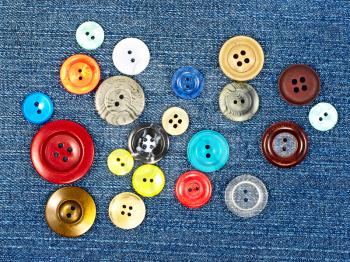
(308, 214)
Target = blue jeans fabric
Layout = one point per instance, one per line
(307, 217)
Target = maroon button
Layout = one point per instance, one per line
(284, 144)
(299, 84)
(62, 151)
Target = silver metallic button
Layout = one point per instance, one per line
(323, 116)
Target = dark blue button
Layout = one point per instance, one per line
(37, 108)
(187, 82)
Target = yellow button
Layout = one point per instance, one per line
(127, 210)
(148, 180)
(241, 58)
(120, 162)
(175, 121)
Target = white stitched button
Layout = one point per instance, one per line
(90, 35)
(323, 116)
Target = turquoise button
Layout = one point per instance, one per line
(37, 108)
(90, 35)
(208, 151)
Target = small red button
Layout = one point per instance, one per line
(193, 189)
(62, 151)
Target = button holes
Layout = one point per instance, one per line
(69, 215)
(121, 97)
(123, 213)
(129, 214)
(187, 86)
(116, 103)
(190, 190)
(72, 208)
(284, 148)
(36, 104)
(39, 111)
(302, 79)
(144, 146)
(239, 63)
(187, 79)
(175, 126)
(124, 206)
(69, 150)
(170, 121)
(80, 70)
(60, 145)
(235, 101)
(175, 116)
(151, 147)
(152, 139)
(197, 188)
(207, 155)
(87, 33)
(118, 159)
(151, 180)
(325, 114)
(243, 52)
(93, 38)
(122, 164)
(245, 191)
(242, 101)
(129, 52)
(80, 78)
(56, 154)
(245, 199)
(130, 207)
(294, 81)
(320, 119)
(144, 180)
(145, 139)
(247, 60)
(285, 140)
(304, 87)
(296, 89)
(179, 121)
(207, 146)
(132, 60)
(235, 56)
(65, 159)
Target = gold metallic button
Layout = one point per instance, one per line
(241, 58)
(175, 121)
(127, 210)
(70, 211)
(120, 162)
(148, 180)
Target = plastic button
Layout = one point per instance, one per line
(62, 151)
(239, 101)
(208, 151)
(187, 82)
(175, 121)
(148, 180)
(323, 116)
(193, 189)
(90, 35)
(120, 162)
(37, 108)
(119, 100)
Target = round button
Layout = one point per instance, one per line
(37, 108)
(239, 101)
(131, 56)
(80, 74)
(90, 35)
(246, 196)
(241, 58)
(148, 180)
(127, 210)
(193, 189)
(187, 82)
(208, 151)
(299, 84)
(62, 151)
(148, 143)
(119, 100)
(175, 121)
(284, 144)
(120, 162)
(70, 211)
(323, 116)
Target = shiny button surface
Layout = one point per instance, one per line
(120, 162)
(148, 180)
(37, 108)
(323, 116)
(187, 82)
(90, 35)
(175, 121)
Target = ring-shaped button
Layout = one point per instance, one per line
(148, 180)
(90, 35)
(37, 108)
(323, 116)
(187, 82)
(120, 162)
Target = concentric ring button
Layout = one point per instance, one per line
(148, 180)
(120, 162)
(37, 108)
(187, 82)
(323, 116)
(175, 121)
(90, 35)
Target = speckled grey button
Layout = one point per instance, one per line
(323, 116)
(246, 196)
(239, 101)
(285, 144)
(119, 100)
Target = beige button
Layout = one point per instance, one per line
(127, 210)
(175, 121)
(241, 58)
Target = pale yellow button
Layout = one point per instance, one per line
(175, 121)
(120, 162)
(127, 210)
(241, 58)
(148, 180)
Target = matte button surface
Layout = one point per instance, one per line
(148, 180)
(285, 144)
(148, 143)
(90, 35)
(175, 121)
(120, 162)
(299, 84)
(246, 196)
(80, 74)
(323, 116)
(131, 56)
(241, 58)
(208, 151)
(239, 101)
(70, 211)
(62, 151)
(37, 108)
(127, 210)
(187, 82)
(193, 189)
(119, 100)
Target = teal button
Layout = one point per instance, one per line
(90, 35)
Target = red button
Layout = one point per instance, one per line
(193, 189)
(62, 151)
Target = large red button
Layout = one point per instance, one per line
(62, 151)
(193, 189)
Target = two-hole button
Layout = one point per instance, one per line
(148, 180)
(120, 162)
(37, 108)
(90, 35)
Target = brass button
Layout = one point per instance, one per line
(70, 211)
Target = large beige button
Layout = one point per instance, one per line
(175, 121)
(127, 210)
(241, 58)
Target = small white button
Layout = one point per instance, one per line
(323, 116)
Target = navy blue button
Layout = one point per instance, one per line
(37, 108)
(187, 82)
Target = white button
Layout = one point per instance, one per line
(131, 56)
(323, 116)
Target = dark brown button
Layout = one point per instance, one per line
(299, 84)
(284, 144)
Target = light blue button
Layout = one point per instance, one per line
(323, 116)
(90, 35)
(37, 108)
(208, 151)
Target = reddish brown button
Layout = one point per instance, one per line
(284, 144)
(299, 84)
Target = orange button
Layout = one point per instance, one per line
(80, 74)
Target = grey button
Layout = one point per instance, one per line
(239, 101)
(119, 100)
(285, 144)
(246, 196)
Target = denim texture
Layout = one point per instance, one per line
(308, 215)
